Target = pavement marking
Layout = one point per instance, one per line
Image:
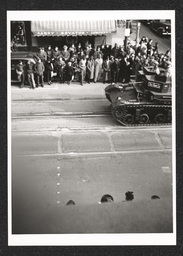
(110, 142)
(159, 140)
(166, 169)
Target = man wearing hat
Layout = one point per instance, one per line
(39, 70)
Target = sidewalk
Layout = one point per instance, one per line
(58, 90)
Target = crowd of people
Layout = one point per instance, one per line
(93, 64)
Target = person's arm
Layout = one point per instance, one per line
(43, 67)
(67, 56)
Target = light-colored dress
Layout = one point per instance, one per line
(98, 69)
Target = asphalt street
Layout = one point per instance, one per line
(66, 146)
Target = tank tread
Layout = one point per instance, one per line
(142, 115)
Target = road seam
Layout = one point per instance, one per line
(75, 154)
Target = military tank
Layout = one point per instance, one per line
(146, 101)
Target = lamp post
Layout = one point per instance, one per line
(137, 33)
(127, 33)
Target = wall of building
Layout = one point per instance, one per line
(116, 37)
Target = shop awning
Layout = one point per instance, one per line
(72, 28)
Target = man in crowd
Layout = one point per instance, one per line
(65, 54)
(29, 69)
(39, 70)
(69, 73)
(41, 55)
(106, 70)
(49, 71)
(20, 73)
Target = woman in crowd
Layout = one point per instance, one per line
(90, 69)
(82, 66)
(98, 68)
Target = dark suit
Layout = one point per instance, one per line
(106, 71)
(125, 70)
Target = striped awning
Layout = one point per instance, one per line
(72, 28)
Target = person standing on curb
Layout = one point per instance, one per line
(98, 68)
(69, 73)
(39, 70)
(29, 68)
(49, 70)
(82, 66)
(106, 70)
(20, 73)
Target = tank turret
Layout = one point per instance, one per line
(144, 102)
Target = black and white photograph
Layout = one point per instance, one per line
(91, 114)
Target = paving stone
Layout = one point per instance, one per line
(85, 142)
(33, 144)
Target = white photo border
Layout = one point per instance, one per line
(92, 239)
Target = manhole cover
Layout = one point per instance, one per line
(70, 202)
(107, 199)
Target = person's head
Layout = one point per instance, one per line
(139, 54)
(116, 59)
(48, 60)
(167, 53)
(84, 57)
(65, 47)
(107, 46)
(112, 58)
(168, 63)
(150, 41)
(69, 63)
(91, 57)
(72, 45)
(102, 46)
(60, 58)
(79, 45)
(98, 48)
(39, 60)
(100, 55)
(20, 62)
(56, 48)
